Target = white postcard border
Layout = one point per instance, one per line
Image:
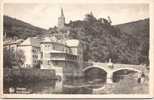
(151, 53)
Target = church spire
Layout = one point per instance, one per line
(61, 20)
(62, 13)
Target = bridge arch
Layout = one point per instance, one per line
(99, 67)
(95, 74)
(128, 68)
(121, 73)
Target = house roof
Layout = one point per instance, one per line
(31, 41)
(13, 42)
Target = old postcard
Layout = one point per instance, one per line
(82, 49)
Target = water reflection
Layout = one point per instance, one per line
(46, 87)
(73, 86)
(80, 85)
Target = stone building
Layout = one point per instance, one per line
(62, 56)
(12, 45)
(31, 50)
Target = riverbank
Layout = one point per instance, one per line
(24, 77)
(128, 85)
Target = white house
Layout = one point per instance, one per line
(31, 49)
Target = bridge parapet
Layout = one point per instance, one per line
(129, 66)
(116, 67)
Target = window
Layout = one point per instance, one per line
(41, 54)
(45, 45)
(27, 65)
(53, 47)
(33, 50)
(49, 62)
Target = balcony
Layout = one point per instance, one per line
(63, 59)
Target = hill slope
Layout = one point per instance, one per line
(139, 30)
(15, 27)
(125, 43)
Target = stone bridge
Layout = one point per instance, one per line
(111, 68)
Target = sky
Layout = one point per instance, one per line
(46, 15)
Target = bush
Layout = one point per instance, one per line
(22, 77)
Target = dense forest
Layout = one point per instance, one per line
(124, 43)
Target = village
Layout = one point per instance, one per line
(62, 56)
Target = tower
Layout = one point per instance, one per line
(61, 20)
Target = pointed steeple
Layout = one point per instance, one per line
(62, 13)
(61, 20)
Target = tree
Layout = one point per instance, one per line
(7, 61)
(13, 58)
(20, 58)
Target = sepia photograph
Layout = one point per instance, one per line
(76, 48)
